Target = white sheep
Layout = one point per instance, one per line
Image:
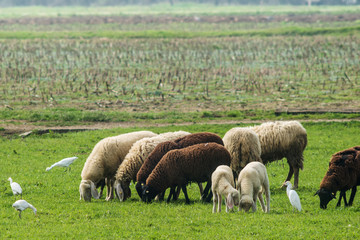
(244, 146)
(283, 139)
(133, 161)
(252, 182)
(222, 181)
(104, 160)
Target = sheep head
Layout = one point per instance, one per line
(246, 203)
(233, 199)
(148, 194)
(122, 190)
(140, 188)
(87, 190)
(325, 197)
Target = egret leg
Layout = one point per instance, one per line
(19, 214)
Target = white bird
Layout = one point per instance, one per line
(21, 205)
(63, 163)
(293, 196)
(15, 187)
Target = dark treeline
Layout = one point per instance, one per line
(7, 3)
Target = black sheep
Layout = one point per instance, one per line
(181, 166)
(162, 148)
(343, 174)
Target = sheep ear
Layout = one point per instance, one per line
(230, 201)
(317, 193)
(120, 192)
(94, 192)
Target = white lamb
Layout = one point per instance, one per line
(222, 181)
(104, 160)
(252, 182)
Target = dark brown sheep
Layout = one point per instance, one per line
(181, 166)
(161, 149)
(343, 174)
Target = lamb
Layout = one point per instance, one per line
(244, 146)
(252, 182)
(161, 149)
(223, 184)
(283, 139)
(133, 161)
(104, 160)
(178, 167)
(343, 174)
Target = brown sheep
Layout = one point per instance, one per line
(181, 166)
(161, 149)
(343, 174)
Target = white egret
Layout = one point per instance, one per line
(293, 196)
(21, 205)
(63, 163)
(15, 187)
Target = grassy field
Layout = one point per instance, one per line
(70, 65)
(161, 64)
(177, 9)
(61, 215)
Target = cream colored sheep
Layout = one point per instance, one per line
(133, 161)
(244, 146)
(252, 182)
(222, 181)
(104, 160)
(283, 139)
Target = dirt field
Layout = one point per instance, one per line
(177, 19)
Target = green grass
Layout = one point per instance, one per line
(156, 34)
(61, 214)
(177, 9)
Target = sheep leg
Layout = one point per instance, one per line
(206, 191)
(201, 189)
(290, 174)
(161, 196)
(172, 193)
(261, 200)
(209, 196)
(342, 195)
(296, 177)
(214, 204)
(177, 193)
(254, 204)
(183, 187)
(352, 196)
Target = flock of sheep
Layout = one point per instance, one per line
(232, 167)
(173, 159)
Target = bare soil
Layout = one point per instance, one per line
(23, 127)
(171, 19)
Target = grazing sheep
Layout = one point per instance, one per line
(283, 139)
(161, 149)
(104, 160)
(343, 174)
(244, 146)
(252, 182)
(222, 181)
(133, 161)
(181, 166)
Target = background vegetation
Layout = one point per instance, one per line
(213, 62)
